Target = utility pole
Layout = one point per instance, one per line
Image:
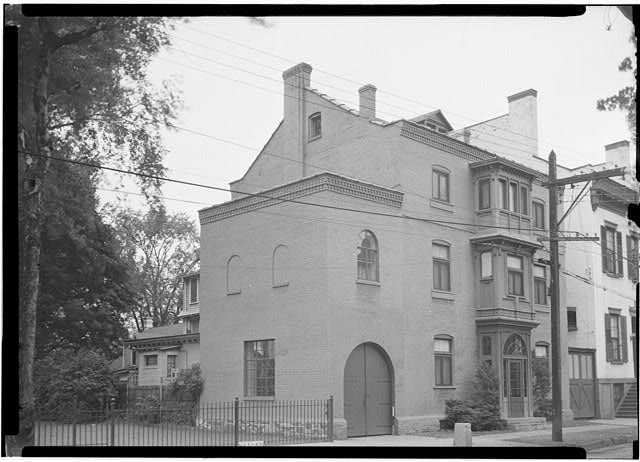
(554, 224)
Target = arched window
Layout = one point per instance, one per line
(315, 126)
(515, 346)
(368, 257)
(233, 275)
(281, 266)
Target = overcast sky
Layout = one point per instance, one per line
(231, 76)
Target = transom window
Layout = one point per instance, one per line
(440, 185)
(368, 257)
(315, 126)
(540, 284)
(441, 267)
(443, 355)
(514, 346)
(515, 275)
(538, 215)
(259, 368)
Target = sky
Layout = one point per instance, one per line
(230, 73)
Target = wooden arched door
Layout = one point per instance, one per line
(368, 392)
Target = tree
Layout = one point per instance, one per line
(625, 99)
(85, 288)
(161, 248)
(83, 93)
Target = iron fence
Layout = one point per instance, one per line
(235, 423)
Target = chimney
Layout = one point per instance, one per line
(368, 101)
(148, 323)
(618, 153)
(523, 123)
(296, 80)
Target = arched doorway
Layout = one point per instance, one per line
(368, 391)
(515, 374)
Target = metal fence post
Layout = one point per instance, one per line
(236, 422)
(113, 420)
(74, 423)
(330, 417)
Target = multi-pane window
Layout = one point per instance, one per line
(614, 350)
(441, 267)
(150, 360)
(443, 354)
(259, 368)
(193, 290)
(538, 215)
(484, 193)
(440, 185)
(315, 126)
(632, 257)
(368, 257)
(611, 244)
(171, 364)
(515, 277)
(572, 318)
(540, 284)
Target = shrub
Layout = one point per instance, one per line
(187, 386)
(483, 411)
(543, 405)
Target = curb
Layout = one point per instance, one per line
(605, 442)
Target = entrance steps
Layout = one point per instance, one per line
(629, 405)
(527, 423)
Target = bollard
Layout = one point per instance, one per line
(462, 434)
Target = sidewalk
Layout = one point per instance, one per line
(591, 435)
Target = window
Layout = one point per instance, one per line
(542, 350)
(280, 266)
(616, 337)
(441, 265)
(524, 202)
(486, 270)
(540, 284)
(441, 185)
(443, 353)
(134, 355)
(171, 365)
(233, 275)
(513, 197)
(151, 360)
(486, 345)
(611, 251)
(515, 275)
(538, 215)
(632, 257)
(315, 126)
(572, 318)
(368, 257)
(484, 192)
(193, 290)
(259, 368)
(192, 325)
(504, 194)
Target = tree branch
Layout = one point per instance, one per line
(74, 37)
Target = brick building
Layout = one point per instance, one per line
(374, 261)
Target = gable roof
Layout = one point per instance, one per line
(433, 116)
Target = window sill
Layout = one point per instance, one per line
(194, 303)
(367, 283)
(314, 138)
(444, 387)
(282, 284)
(441, 205)
(234, 292)
(572, 329)
(259, 398)
(442, 295)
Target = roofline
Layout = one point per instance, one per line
(509, 163)
(437, 111)
(481, 123)
(163, 337)
(259, 153)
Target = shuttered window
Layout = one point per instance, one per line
(632, 258)
(611, 249)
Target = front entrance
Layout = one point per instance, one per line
(582, 390)
(368, 392)
(515, 381)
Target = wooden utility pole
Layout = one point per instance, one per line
(556, 333)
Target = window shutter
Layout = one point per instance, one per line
(619, 254)
(623, 337)
(607, 335)
(603, 242)
(630, 258)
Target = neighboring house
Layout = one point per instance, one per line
(159, 353)
(379, 263)
(598, 278)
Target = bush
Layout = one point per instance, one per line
(187, 386)
(543, 406)
(483, 411)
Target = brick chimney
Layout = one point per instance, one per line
(368, 101)
(618, 153)
(523, 123)
(296, 80)
(148, 323)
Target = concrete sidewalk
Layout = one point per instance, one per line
(591, 435)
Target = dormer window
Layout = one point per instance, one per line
(315, 126)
